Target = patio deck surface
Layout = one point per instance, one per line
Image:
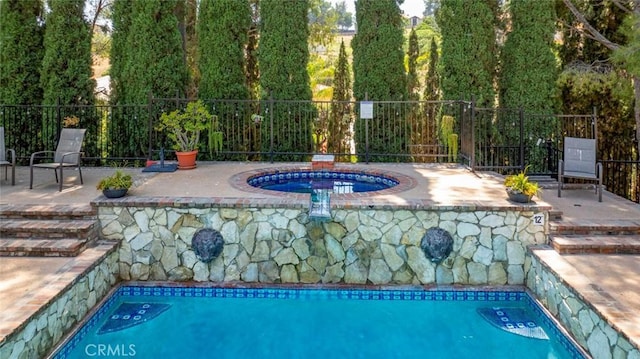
(28, 282)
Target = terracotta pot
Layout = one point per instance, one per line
(186, 160)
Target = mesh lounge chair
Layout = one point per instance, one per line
(580, 162)
(67, 154)
(4, 160)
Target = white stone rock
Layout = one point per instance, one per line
(169, 258)
(428, 219)
(423, 268)
(505, 231)
(130, 232)
(200, 272)
(468, 217)
(477, 273)
(500, 248)
(334, 250)
(288, 274)
(497, 274)
(483, 255)
(355, 273)
(586, 324)
(379, 272)
(229, 232)
(188, 259)
(492, 220)
(515, 274)
(515, 252)
(250, 273)
(229, 253)
(450, 227)
(469, 247)
(392, 236)
(369, 233)
(333, 274)
(261, 252)
(141, 240)
(394, 261)
(297, 229)
(467, 229)
(485, 237)
(286, 256)
(301, 247)
(598, 345)
(142, 220)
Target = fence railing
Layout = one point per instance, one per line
(503, 140)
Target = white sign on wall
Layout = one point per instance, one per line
(538, 219)
(366, 110)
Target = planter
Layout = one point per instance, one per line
(186, 160)
(114, 193)
(519, 197)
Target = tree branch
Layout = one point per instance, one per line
(590, 29)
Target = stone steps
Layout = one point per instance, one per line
(46, 230)
(594, 236)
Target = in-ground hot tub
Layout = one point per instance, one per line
(335, 180)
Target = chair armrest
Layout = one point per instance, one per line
(599, 171)
(79, 153)
(37, 154)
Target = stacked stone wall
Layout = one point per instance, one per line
(357, 246)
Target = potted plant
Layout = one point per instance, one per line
(183, 129)
(519, 188)
(116, 185)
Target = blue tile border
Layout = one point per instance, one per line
(354, 294)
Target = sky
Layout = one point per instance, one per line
(410, 7)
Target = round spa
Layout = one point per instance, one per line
(336, 181)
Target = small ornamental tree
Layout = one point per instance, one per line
(341, 112)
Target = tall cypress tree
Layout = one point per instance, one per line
(148, 59)
(283, 55)
(66, 74)
(66, 66)
(468, 59)
(156, 64)
(379, 75)
(120, 54)
(430, 95)
(222, 38)
(340, 119)
(413, 84)
(529, 72)
(21, 38)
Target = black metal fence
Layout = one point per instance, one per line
(503, 140)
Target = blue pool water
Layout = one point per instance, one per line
(335, 181)
(308, 323)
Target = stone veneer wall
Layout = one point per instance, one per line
(45, 329)
(585, 324)
(358, 245)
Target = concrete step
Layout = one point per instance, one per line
(42, 247)
(48, 211)
(596, 244)
(82, 229)
(595, 227)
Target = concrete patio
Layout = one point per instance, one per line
(616, 276)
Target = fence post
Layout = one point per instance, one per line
(366, 131)
(271, 104)
(56, 135)
(521, 117)
(472, 155)
(150, 132)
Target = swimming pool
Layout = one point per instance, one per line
(190, 322)
(337, 181)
